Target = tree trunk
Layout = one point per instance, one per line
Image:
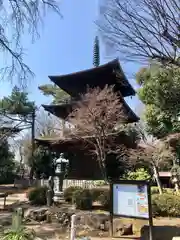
(156, 176)
(102, 168)
(31, 175)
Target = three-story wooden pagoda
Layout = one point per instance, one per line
(83, 165)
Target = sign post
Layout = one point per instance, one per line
(131, 199)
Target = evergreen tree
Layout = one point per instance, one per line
(7, 164)
(17, 103)
(16, 113)
(52, 90)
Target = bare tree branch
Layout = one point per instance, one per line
(153, 152)
(95, 119)
(142, 29)
(47, 125)
(16, 18)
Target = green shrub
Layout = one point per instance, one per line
(96, 193)
(82, 198)
(68, 193)
(155, 190)
(99, 183)
(139, 174)
(169, 190)
(37, 196)
(166, 205)
(104, 198)
(21, 234)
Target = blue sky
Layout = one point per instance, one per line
(66, 45)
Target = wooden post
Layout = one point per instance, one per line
(5, 196)
(17, 219)
(73, 229)
(49, 197)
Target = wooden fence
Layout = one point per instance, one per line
(68, 183)
(24, 183)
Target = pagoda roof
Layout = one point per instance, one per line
(110, 73)
(63, 144)
(63, 110)
(59, 110)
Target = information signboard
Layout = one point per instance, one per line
(130, 200)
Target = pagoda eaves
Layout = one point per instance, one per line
(63, 110)
(110, 73)
(72, 142)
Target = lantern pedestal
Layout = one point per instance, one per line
(58, 193)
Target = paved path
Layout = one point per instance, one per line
(13, 198)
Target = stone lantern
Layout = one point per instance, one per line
(60, 170)
(175, 179)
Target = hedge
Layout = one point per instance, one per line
(167, 204)
(68, 193)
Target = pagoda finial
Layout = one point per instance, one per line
(96, 52)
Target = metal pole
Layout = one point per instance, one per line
(150, 213)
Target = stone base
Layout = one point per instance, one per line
(58, 196)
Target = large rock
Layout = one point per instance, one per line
(63, 216)
(95, 221)
(120, 229)
(37, 214)
(5, 219)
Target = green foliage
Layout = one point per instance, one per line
(138, 174)
(175, 170)
(155, 190)
(166, 205)
(99, 183)
(52, 90)
(17, 103)
(132, 131)
(68, 193)
(42, 162)
(96, 193)
(7, 164)
(37, 196)
(21, 234)
(160, 92)
(104, 199)
(82, 198)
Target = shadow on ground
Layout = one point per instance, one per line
(10, 189)
(48, 231)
